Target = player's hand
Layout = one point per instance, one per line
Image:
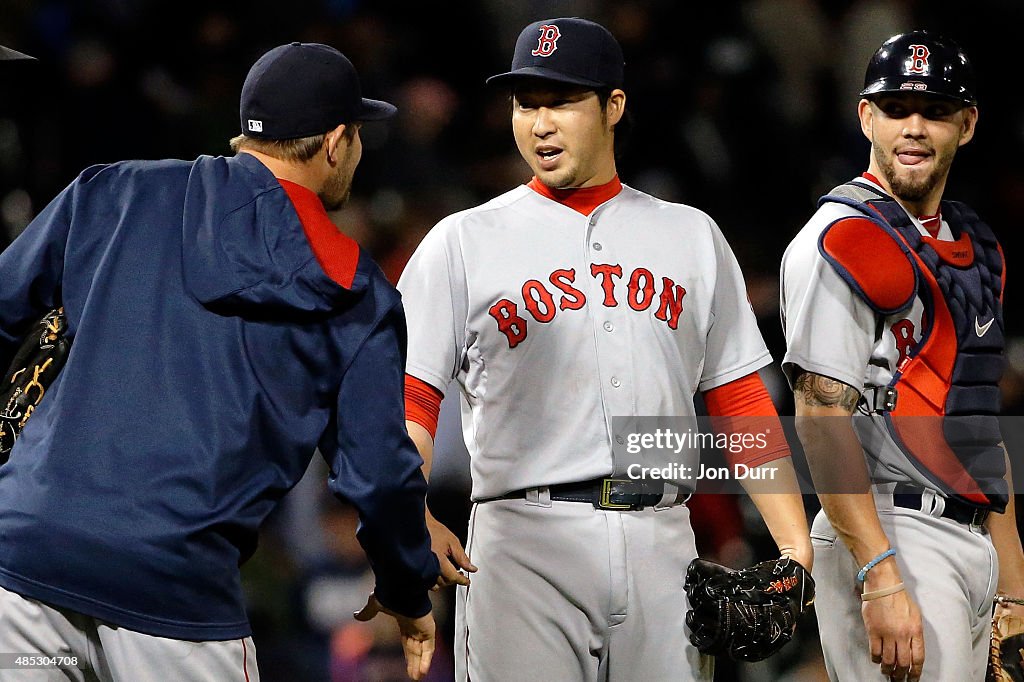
(802, 554)
(450, 555)
(895, 634)
(417, 636)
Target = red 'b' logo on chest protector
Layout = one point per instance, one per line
(918, 58)
(548, 41)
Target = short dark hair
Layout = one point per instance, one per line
(623, 129)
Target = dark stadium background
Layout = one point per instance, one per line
(743, 109)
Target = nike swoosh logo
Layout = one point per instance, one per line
(980, 329)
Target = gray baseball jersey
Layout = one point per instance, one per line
(553, 322)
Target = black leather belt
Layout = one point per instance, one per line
(909, 497)
(622, 494)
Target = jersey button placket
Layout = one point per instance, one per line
(613, 353)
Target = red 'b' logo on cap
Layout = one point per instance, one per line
(548, 41)
(918, 58)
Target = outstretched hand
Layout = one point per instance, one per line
(418, 636)
(450, 554)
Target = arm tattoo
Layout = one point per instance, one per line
(815, 390)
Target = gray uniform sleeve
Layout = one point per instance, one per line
(734, 346)
(829, 330)
(433, 294)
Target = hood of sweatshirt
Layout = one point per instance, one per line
(245, 247)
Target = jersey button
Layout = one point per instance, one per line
(620, 440)
(615, 382)
(608, 326)
(597, 246)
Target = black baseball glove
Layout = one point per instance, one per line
(39, 359)
(748, 614)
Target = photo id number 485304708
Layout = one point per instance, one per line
(12, 661)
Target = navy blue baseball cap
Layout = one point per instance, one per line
(7, 54)
(304, 89)
(568, 50)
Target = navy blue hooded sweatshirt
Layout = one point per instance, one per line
(211, 355)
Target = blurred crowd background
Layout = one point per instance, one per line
(745, 109)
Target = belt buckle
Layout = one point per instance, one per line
(604, 496)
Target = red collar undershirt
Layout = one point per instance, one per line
(337, 253)
(580, 199)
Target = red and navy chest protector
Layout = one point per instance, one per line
(944, 396)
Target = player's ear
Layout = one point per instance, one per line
(332, 140)
(969, 123)
(866, 115)
(615, 107)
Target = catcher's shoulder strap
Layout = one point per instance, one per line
(867, 253)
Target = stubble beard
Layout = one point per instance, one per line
(335, 192)
(912, 186)
(559, 178)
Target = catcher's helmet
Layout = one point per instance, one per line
(923, 62)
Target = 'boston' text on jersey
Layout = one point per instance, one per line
(539, 300)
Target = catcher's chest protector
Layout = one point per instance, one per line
(954, 370)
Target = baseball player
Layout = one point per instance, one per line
(557, 307)
(892, 308)
(222, 328)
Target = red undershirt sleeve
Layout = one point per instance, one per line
(743, 406)
(422, 403)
